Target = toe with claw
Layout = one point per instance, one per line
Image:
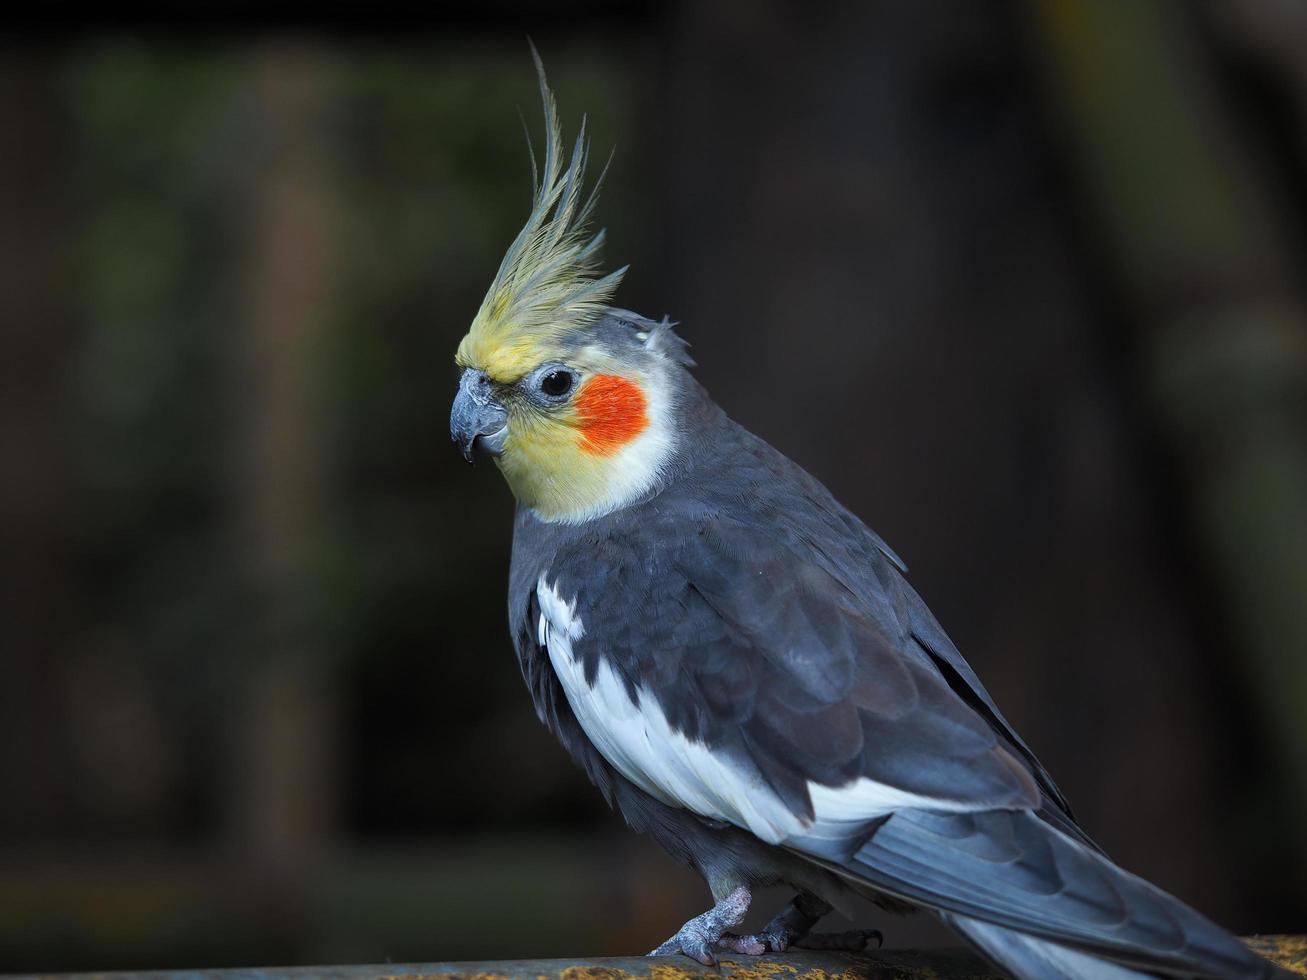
(852, 941)
(698, 937)
(778, 941)
(792, 929)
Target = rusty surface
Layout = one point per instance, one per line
(1288, 951)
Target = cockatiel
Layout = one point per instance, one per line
(739, 663)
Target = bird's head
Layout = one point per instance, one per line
(574, 400)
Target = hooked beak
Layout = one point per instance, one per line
(477, 421)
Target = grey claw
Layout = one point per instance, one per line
(703, 955)
(744, 945)
(853, 941)
(688, 944)
(698, 936)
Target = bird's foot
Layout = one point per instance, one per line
(791, 928)
(850, 941)
(698, 937)
(778, 941)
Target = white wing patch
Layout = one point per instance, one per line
(636, 739)
(840, 810)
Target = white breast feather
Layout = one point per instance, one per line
(637, 740)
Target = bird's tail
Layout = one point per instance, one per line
(1028, 958)
(1043, 904)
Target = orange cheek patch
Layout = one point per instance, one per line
(610, 413)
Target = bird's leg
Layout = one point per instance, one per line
(792, 927)
(699, 936)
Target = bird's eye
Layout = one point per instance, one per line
(556, 384)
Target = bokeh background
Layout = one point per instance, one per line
(1022, 281)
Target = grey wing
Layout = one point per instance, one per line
(935, 643)
(816, 686)
(863, 572)
(709, 662)
(907, 785)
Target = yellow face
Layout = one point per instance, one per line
(577, 428)
(583, 431)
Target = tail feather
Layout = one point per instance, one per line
(1042, 903)
(1028, 958)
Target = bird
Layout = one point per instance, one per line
(740, 665)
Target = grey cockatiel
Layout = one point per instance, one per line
(739, 663)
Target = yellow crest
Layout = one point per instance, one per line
(549, 282)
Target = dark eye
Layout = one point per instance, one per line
(555, 384)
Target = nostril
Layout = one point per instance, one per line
(477, 384)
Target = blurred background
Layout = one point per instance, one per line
(1041, 261)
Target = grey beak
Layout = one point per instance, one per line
(477, 422)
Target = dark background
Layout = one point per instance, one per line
(1021, 281)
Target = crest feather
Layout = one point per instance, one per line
(549, 282)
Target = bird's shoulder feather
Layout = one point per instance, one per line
(769, 626)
